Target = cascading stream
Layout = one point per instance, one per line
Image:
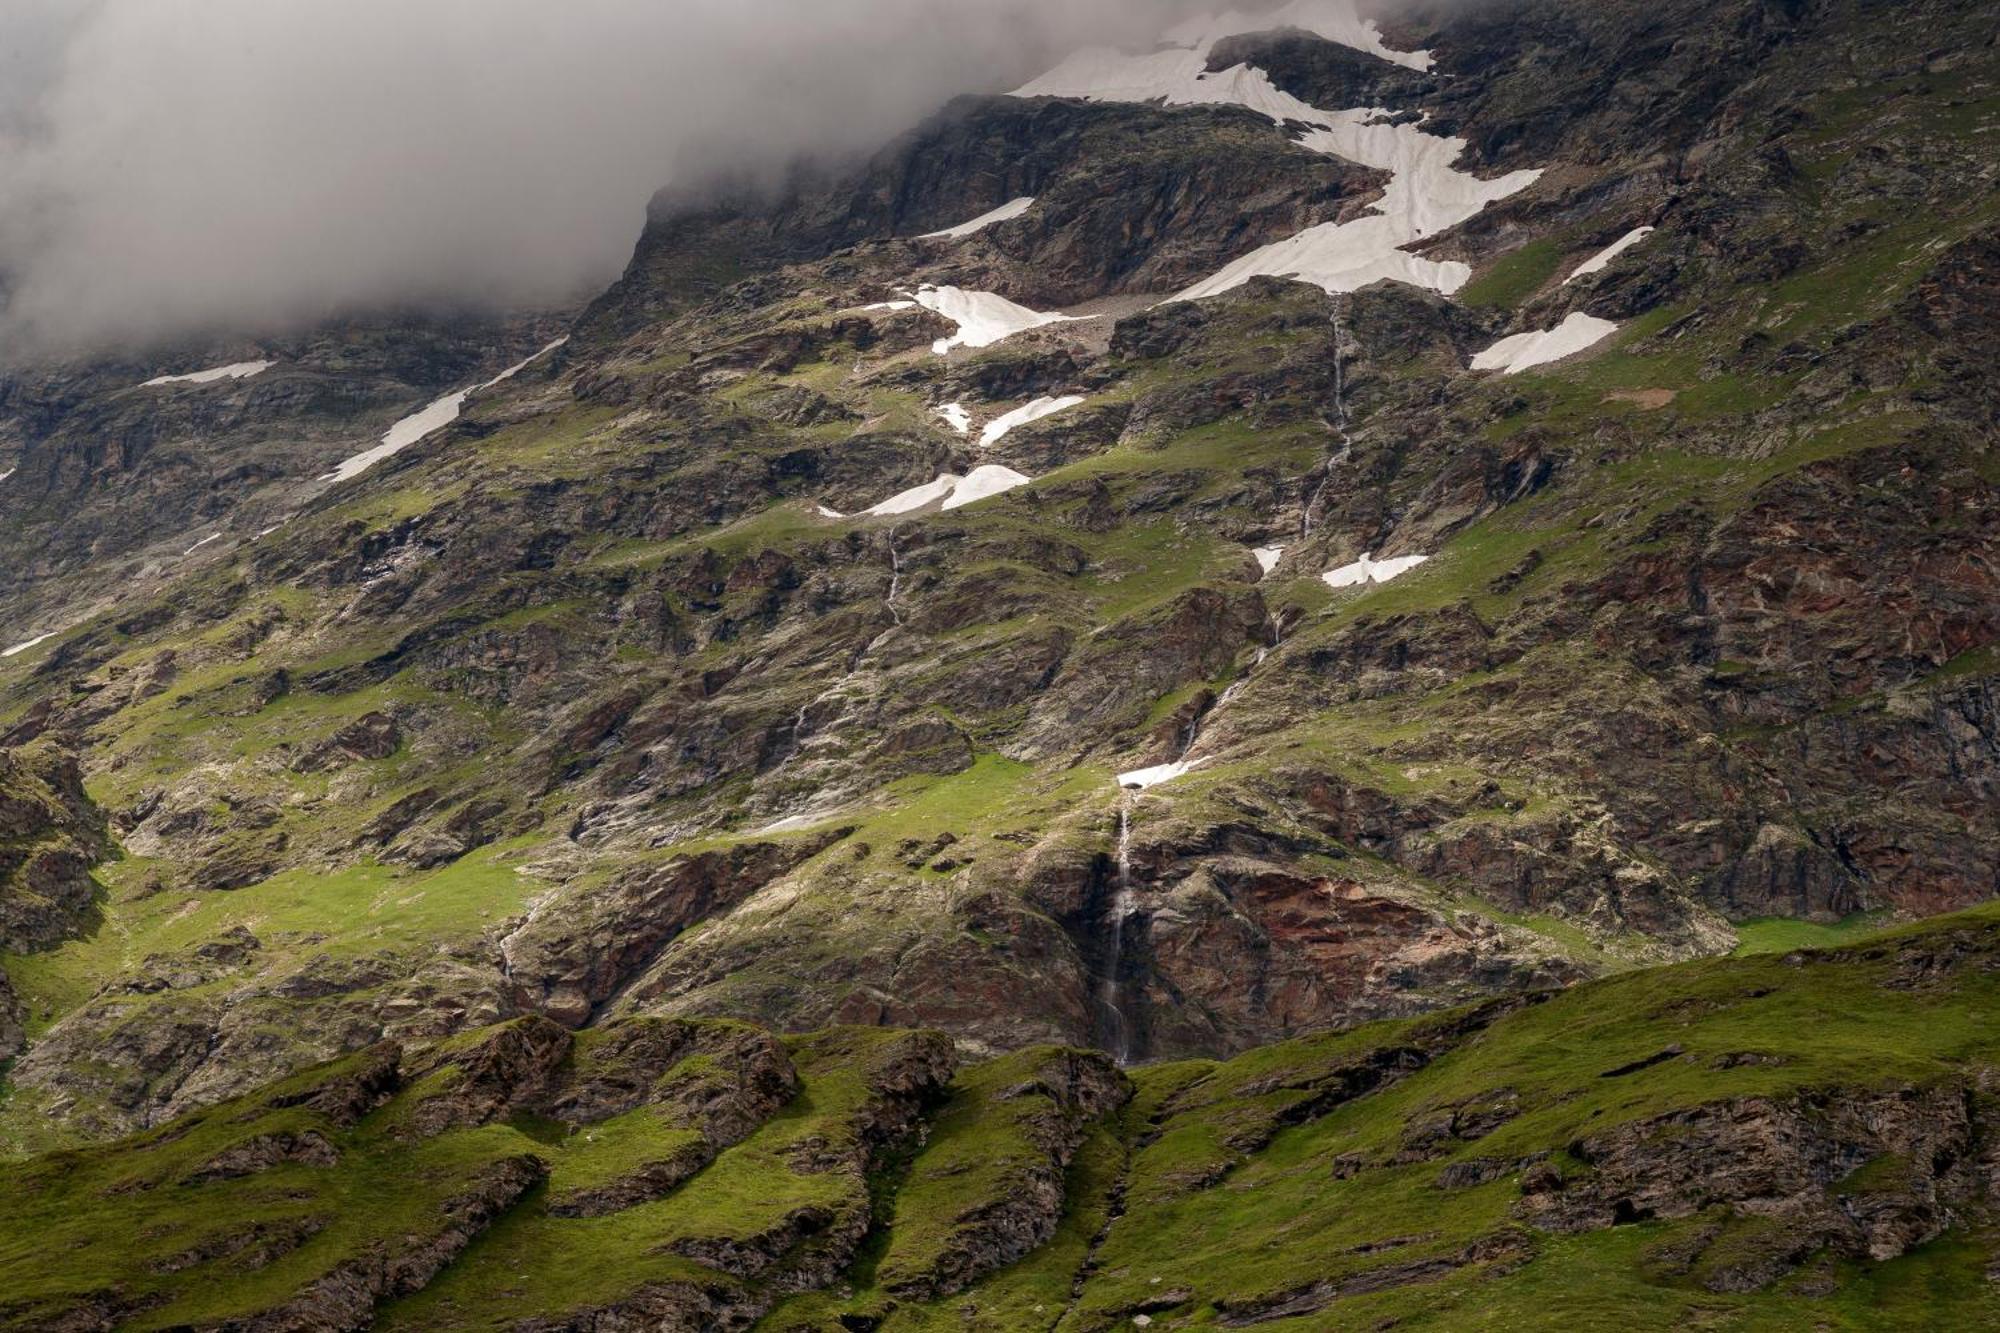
(1200, 722)
(1110, 985)
(1338, 423)
(895, 576)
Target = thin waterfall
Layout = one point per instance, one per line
(1110, 985)
(1276, 626)
(799, 731)
(1339, 421)
(895, 575)
(1192, 732)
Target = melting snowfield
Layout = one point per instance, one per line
(1524, 351)
(1602, 260)
(917, 497)
(1007, 212)
(1426, 195)
(431, 419)
(954, 491)
(983, 483)
(242, 370)
(999, 428)
(37, 642)
(1142, 778)
(956, 417)
(983, 318)
(1366, 571)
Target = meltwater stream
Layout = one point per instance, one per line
(1339, 421)
(1111, 986)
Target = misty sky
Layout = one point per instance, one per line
(170, 166)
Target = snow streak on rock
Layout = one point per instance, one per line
(1141, 779)
(211, 537)
(1524, 351)
(917, 497)
(435, 417)
(1426, 195)
(983, 318)
(1366, 571)
(1603, 260)
(997, 429)
(36, 642)
(242, 370)
(956, 417)
(950, 491)
(983, 484)
(1007, 212)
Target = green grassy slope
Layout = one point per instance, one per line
(1790, 1140)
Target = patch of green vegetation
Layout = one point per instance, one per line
(980, 1149)
(1240, 1227)
(530, 1260)
(120, 1217)
(1314, 1170)
(1514, 277)
(1783, 934)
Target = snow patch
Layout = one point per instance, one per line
(790, 824)
(1007, 212)
(1142, 778)
(956, 417)
(1268, 557)
(1524, 351)
(1426, 195)
(428, 421)
(917, 497)
(955, 492)
(37, 642)
(825, 512)
(242, 370)
(211, 537)
(1367, 570)
(997, 429)
(891, 305)
(983, 484)
(1603, 260)
(983, 318)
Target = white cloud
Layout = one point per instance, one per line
(247, 162)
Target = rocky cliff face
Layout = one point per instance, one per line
(113, 476)
(1171, 676)
(50, 837)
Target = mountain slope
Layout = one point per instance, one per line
(1805, 1140)
(616, 700)
(128, 470)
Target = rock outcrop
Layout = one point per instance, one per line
(51, 835)
(1692, 1138)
